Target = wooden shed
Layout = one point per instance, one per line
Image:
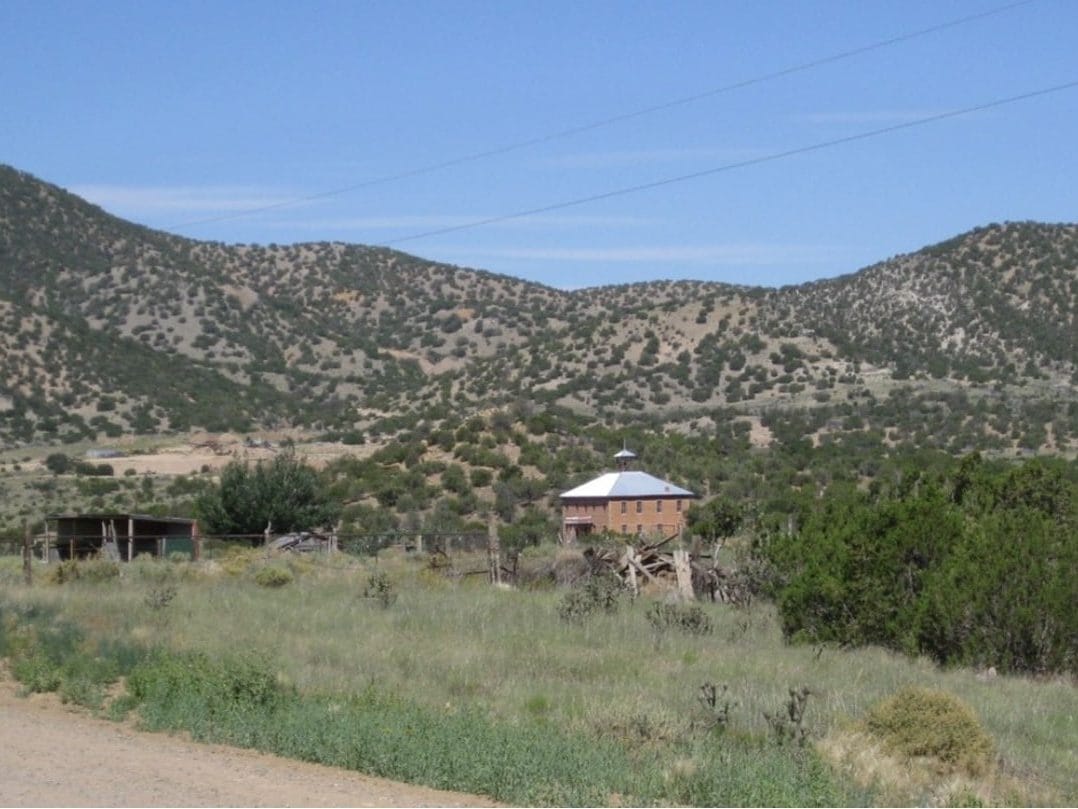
(119, 536)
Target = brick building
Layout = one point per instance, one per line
(625, 502)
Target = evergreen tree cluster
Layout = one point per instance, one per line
(974, 566)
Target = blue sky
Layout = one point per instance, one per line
(170, 113)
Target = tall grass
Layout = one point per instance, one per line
(467, 656)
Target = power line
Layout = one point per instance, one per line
(556, 206)
(604, 122)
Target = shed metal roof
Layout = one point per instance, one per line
(119, 515)
(626, 484)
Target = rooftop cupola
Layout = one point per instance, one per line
(624, 459)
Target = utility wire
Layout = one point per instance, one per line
(604, 122)
(556, 206)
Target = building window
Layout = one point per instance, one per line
(624, 506)
(658, 506)
(639, 506)
(679, 505)
(639, 529)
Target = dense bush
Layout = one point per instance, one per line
(688, 618)
(920, 722)
(972, 567)
(273, 576)
(601, 593)
(285, 493)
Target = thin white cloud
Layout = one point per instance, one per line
(148, 200)
(725, 254)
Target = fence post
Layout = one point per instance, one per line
(27, 558)
(494, 555)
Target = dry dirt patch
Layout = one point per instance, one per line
(53, 756)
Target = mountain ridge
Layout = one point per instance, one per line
(113, 328)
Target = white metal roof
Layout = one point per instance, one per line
(626, 484)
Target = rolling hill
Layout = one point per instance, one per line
(108, 328)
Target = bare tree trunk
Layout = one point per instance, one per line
(630, 564)
(684, 574)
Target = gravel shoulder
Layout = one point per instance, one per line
(52, 755)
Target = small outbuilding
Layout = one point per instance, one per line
(118, 536)
(627, 502)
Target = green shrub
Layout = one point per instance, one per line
(160, 596)
(148, 568)
(1006, 597)
(273, 576)
(98, 570)
(855, 571)
(688, 618)
(58, 463)
(599, 594)
(64, 572)
(91, 570)
(36, 672)
(195, 692)
(83, 679)
(920, 722)
(380, 589)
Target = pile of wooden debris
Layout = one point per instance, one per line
(693, 576)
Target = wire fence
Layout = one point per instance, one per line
(121, 546)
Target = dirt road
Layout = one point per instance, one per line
(53, 756)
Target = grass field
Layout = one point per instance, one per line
(455, 663)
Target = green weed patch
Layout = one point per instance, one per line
(241, 702)
(49, 654)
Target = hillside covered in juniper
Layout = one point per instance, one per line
(109, 328)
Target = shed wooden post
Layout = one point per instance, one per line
(130, 537)
(27, 557)
(45, 550)
(684, 574)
